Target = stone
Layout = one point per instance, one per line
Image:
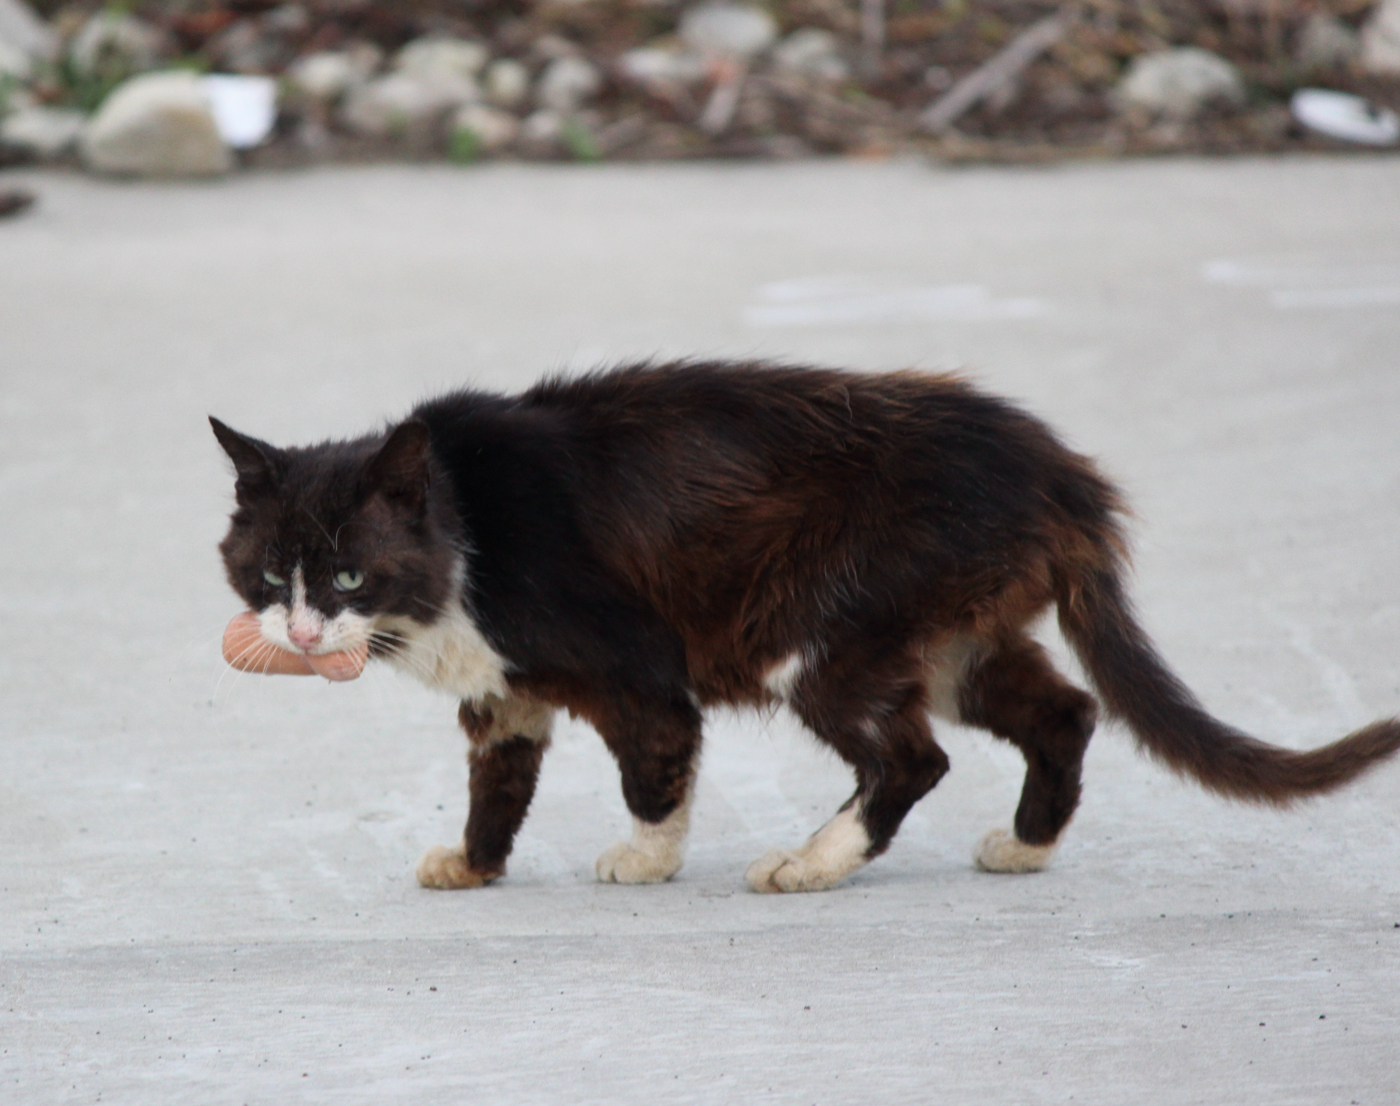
(113, 44)
(245, 107)
(1380, 40)
(731, 30)
(491, 129)
(812, 53)
(1179, 83)
(24, 39)
(657, 67)
(326, 75)
(401, 105)
(1326, 43)
(440, 56)
(156, 124)
(542, 132)
(42, 132)
(566, 83)
(507, 83)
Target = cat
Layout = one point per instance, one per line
(642, 543)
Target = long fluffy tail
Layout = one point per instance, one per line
(1137, 687)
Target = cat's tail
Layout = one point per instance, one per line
(1137, 687)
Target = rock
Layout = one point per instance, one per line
(1326, 43)
(1179, 83)
(1380, 40)
(542, 132)
(655, 67)
(732, 30)
(113, 45)
(326, 75)
(24, 39)
(440, 57)
(507, 83)
(812, 53)
(566, 83)
(156, 124)
(42, 132)
(491, 129)
(401, 105)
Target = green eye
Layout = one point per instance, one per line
(273, 579)
(348, 579)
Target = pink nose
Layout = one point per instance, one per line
(303, 637)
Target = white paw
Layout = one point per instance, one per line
(625, 864)
(1002, 851)
(446, 869)
(783, 870)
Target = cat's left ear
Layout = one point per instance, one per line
(400, 470)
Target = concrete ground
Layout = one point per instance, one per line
(207, 878)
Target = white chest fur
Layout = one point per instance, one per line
(449, 655)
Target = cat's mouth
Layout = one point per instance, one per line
(314, 634)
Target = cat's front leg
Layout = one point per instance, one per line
(507, 739)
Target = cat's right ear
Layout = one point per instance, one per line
(252, 460)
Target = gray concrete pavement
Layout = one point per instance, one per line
(206, 888)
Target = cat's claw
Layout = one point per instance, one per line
(625, 864)
(1002, 851)
(445, 869)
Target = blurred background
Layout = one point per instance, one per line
(304, 218)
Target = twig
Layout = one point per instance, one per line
(995, 74)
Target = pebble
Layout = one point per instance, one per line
(1179, 83)
(42, 132)
(492, 128)
(658, 67)
(24, 39)
(507, 83)
(813, 53)
(326, 75)
(1326, 43)
(733, 30)
(156, 124)
(441, 57)
(566, 83)
(402, 105)
(1380, 40)
(110, 42)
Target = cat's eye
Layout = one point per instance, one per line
(273, 579)
(348, 579)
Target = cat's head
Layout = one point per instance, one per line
(329, 542)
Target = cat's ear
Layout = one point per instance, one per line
(254, 461)
(400, 470)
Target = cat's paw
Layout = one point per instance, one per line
(781, 870)
(1002, 851)
(625, 864)
(446, 869)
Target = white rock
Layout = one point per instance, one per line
(400, 104)
(655, 66)
(326, 75)
(156, 124)
(566, 83)
(1350, 118)
(542, 128)
(441, 56)
(24, 39)
(1180, 82)
(813, 53)
(1380, 39)
(113, 42)
(492, 128)
(1326, 43)
(42, 132)
(736, 30)
(245, 107)
(507, 83)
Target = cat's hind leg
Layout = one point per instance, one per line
(876, 719)
(1014, 692)
(656, 747)
(507, 739)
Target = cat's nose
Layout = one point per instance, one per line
(303, 637)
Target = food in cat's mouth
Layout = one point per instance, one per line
(247, 650)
